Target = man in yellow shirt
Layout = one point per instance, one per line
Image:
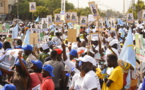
(115, 80)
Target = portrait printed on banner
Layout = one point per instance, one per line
(73, 16)
(100, 23)
(44, 23)
(49, 19)
(93, 8)
(57, 17)
(143, 14)
(83, 20)
(67, 16)
(38, 26)
(32, 6)
(130, 17)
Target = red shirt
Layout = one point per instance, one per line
(36, 79)
(47, 84)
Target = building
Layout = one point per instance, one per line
(6, 8)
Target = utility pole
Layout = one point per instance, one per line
(124, 7)
(17, 9)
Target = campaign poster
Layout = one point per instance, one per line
(44, 22)
(8, 60)
(143, 15)
(68, 16)
(112, 23)
(57, 19)
(83, 20)
(32, 6)
(73, 16)
(140, 47)
(49, 20)
(130, 18)
(93, 8)
(100, 23)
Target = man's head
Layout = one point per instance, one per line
(73, 53)
(28, 49)
(112, 60)
(47, 70)
(6, 45)
(59, 53)
(114, 43)
(37, 65)
(53, 54)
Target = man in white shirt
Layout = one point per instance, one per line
(57, 40)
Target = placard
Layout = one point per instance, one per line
(72, 35)
(130, 18)
(73, 16)
(140, 46)
(112, 22)
(57, 19)
(68, 16)
(38, 26)
(49, 20)
(83, 20)
(93, 8)
(33, 38)
(92, 35)
(8, 60)
(32, 6)
(143, 15)
(100, 23)
(44, 22)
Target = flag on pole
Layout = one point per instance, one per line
(37, 19)
(62, 7)
(15, 32)
(128, 54)
(128, 80)
(120, 22)
(26, 39)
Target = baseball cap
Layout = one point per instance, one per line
(59, 51)
(1, 44)
(73, 52)
(49, 69)
(88, 58)
(94, 39)
(28, 47)
(9, 87)
(17, 63)
(114, 41)
(38, 63)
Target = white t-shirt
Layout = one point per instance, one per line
(90, 81)
(76, 81)
(56, 40)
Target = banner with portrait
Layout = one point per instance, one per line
(32, 6)
(68, 16)
(140, 47)
(8, 60)
(94, 9)
(100, 23)
(49, 19)
(57, 19)
(143, 15)
(112, 23)
(44, 22)
(130, 18)
(83, 20)
(73, 16)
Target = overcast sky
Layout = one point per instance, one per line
(116, 5)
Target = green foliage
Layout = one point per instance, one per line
(41, 11)
(137, 7)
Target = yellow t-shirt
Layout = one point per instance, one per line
(117, 77)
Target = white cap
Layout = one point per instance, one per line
(18, 38)
(141, 27)
(114, 41)
(94, 39)
(45, 46)
(88, 58)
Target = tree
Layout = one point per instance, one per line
(41, 11)
(139, 6)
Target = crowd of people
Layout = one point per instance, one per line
(57, 64)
